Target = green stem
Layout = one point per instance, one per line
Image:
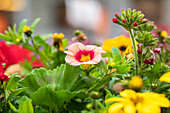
(43, 58)
(135, 52)
(96, 107)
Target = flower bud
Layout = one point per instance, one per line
(94, 95)
(135, 23)
(27, 30)
(157, 50)
(116, 14)
(146, 61)
(115, 20)
(136, 83)
(124, 20)
(164, 34)
(151, 61)
(139, 51)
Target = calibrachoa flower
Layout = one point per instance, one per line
(80, 54)
(123, 43)
(132, 102)
(165, 77)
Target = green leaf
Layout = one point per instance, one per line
(4, 37)
(25, 105)
(122, 69)
(16, 92)
(21, 26)
(34, 24)
(116, 55)
(45, 96)
(102, 65)
(65, 77)
(108, 94)
(46, 36)
(39, 41)
(12, 82)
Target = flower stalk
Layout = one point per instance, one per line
(135, 51)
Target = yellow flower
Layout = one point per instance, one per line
(164, 34)
(165, 77)
(123, 43)
(26, 29)
(132, 102)
(136, 83)
(58, 37)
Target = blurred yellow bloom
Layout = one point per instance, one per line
(26, 29)
(132, 102)
(58, 37)
(164, 34)
(123, 43)
(165, 77)
(136, 83)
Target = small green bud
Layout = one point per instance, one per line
(94, 95)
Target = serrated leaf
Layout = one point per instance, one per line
(65, 77)
(25, 105)
(45, 96)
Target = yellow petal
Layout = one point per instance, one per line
(115, 99)
(148, 108)
(129, 94)
(129, 108)
(114, 108)
(165, 77)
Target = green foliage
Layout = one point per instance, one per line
(116, 56)
(146, 39)
(25, 105)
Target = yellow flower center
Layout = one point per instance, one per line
(85, 58)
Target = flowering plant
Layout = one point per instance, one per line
(125, 75)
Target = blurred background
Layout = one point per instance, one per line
(94, 17)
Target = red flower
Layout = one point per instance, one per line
(13, 54)
(4, 78)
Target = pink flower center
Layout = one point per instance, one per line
(83, 55)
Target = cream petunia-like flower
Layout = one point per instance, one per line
(80, 54)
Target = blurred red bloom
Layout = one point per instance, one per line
(13, 54)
